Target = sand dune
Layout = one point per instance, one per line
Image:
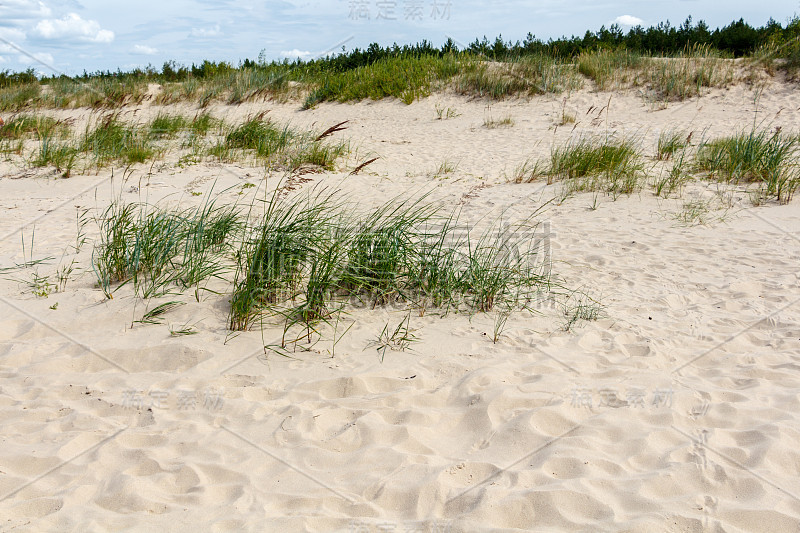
(678, 409)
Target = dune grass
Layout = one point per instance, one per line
(610, 69)
(162, 250)
(671, 142)
(95, 93)
(769, 159)
(683, 77)
(530, 75)
(404, 78)
(309, 258)
(665, 78)
(110, 139)
(18, 97)
(672, 180)
(167, 126)
(609, 165)
(279, 146)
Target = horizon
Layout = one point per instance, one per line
(87, 36)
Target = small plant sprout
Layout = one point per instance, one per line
(577, 308)
(155, 315)
(446, 168)
(501, 316)
(397, 340)
(566, 116)
(443, 113)
(182, 330)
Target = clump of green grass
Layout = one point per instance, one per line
(272, 260)
(405, 78)
(11, 146)
(612, 166)
(22, 126)
(379, 251)
(534, 74)
(491, 123)
(445, 168)
(17, 97)
(280, 146)
(445, 113)
(400, 339)
(670, 142)
(167, 126)
(610, 69)
(113, 140)
(527, 171)
(578, 308)
(755, 156)
(676, 79)
(669, 79)
(309, 258)
(161, 250)
(202, 123)
(498, 268)
(156, 314)
(61, 155)
(674, 178)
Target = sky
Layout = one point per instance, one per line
(70, 36)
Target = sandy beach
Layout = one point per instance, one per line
(674, 407)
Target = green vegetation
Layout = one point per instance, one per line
(162, 251)
(113, 140)
(672, 62)
(307, 259)
(612, 166)
(304, 260)
(670, 142)
(666, 78)
(756, 156)
(108, 139)
(527, 75)
(280, 146)
(406, 78)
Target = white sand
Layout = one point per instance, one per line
(692, 371)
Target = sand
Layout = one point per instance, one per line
(678, 409)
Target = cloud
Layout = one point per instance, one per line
(40, 57)
(144, 50)
(72, 27)
(23, 10)
(628, 20)
(296, 54)
(14, 35)
(205, 33)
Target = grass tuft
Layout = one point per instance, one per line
(755, 156)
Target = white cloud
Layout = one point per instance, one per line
(42, 57)
(296, 54)
(73, 27)
(144, 50)
(23, 10)
(206, 32)
(628, 20)
(14, 35)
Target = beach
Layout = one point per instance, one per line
(655, 388)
